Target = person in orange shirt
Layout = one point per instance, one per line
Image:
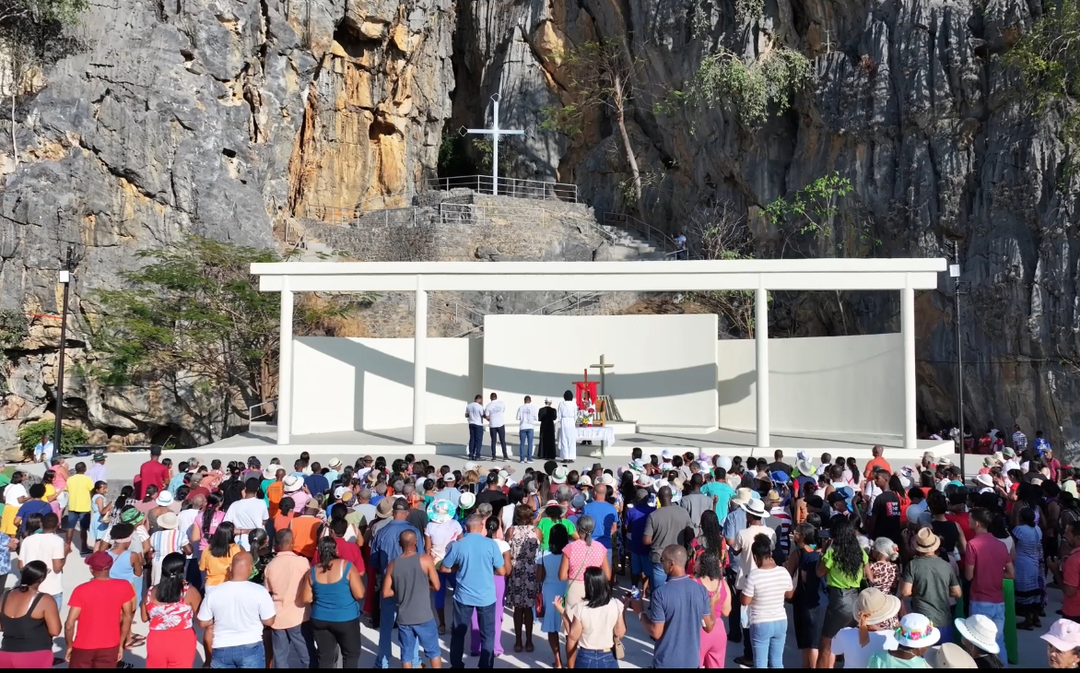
(877, 462)
(274, 492)
(305, 529)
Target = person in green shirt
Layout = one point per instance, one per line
(843, 564)
(554, 515)
(914, 636)
(719, 489)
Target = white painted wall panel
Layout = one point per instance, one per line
(665, 365)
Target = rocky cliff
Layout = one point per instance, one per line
(229, 118)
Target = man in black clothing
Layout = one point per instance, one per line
(778, 464)
(885, 518)
(493, 495)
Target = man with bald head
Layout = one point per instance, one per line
(477, 560)
(668, 525)
(237, 611)
(679, 610)
(409, 581)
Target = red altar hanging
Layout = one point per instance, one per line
(585, 392)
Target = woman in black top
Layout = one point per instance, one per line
(952, 538)
(29, 621)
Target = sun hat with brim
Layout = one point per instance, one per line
(917, 630)
(772, 496)
(584, 481)
(989, 461)
(742, 496)
(578, 502)
(168, 521)
(99, 457)
(607, 480)
(755, 508)
(724, 462)
(926, 542)
(805, 468)
(879, 605)
(164, 499)
(779, 476)
(334, 463)
(1064, 635)
(944, 461)
(467, 500)
(949, 655)
(980, 631)
(270, 472)
(132, 516)
(292, 484)
(385, 508)
(1008, 453)
(559, 475)
(440, 511)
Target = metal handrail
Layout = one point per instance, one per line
(515, 187)
(253, 407)
(651, 233)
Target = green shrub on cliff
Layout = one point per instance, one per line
(723, 79)
(1048, 59)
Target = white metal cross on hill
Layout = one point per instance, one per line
(495, 132)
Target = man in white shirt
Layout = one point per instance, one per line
(248, 513)
(49, 548)
(495, 413)
(238, 610)
(474, 411)
(44, 450)
(526, 417)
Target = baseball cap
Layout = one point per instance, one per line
(164, 499)
(339, 491)
(99, 561)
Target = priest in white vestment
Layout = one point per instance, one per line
(568, 427)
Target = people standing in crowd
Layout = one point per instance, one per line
(551, 587)
(29, 620)
(152, 473)
(333, 588)
(987, 561)
(577, 557)
(79, 488)
(678, 613)
(807, 606)
(100, 612)
(291, 636)
(978, 636)
(843, 564)
(930, 582)
(216, 560)
(442, 529)
(385, 547)
(493, 529)
(234, 615)
(475, 557)
(15, 494)
(47, 548)
(913, 637)
(764, 591)
(410, 579)
(605, 519)
(884, 567)
(1030, 580)
(1063, 644)
(567, 420)
(474, 415)
(127, 560)
(521, 584)
(666, 526)
(170, 608)
(594, 625)
(547, 416)
(742, 545)
(874, 617)
(708, 573)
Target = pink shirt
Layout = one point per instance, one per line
(282, 578)
(989, 555)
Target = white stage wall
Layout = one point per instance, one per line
(850, 384)
(366, 384)
(665, 365)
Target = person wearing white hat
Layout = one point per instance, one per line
(167, 540)
(913, 637)
(949, 655)
(334, 471)
(978, 635)
(293, 487)
(984, 483)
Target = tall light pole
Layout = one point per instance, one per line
(65, 280)
(954, 273)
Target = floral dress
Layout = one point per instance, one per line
(521, 585)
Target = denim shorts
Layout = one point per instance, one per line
(428, 635)
(640, 564)
(595, 659)
(73, 519)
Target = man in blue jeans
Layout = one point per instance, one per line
(526, 417)
(238, 610)
(385, 547)
(668, 525)
(409, 581)
(477, 560)
(474, 412)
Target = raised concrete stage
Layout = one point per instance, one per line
(450, 440)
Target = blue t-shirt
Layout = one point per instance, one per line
(636, 516)
(30, 508)
(386, 547)
(809, 585)
(723, 492)
(605, 516)
(316, 484)
(733, 523)
(680, 605)
(476, 558)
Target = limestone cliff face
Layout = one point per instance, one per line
(222, 118)
(909, 101)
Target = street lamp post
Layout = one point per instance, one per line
(954, 273)
(64, 279)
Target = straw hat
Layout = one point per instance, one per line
(742, 496)
(772, 496)
(755, 508)
(584, 481)
(168, 521)
(292, 483)
(467, 500)
(334, 464)
(926, 542)
(980, 631)
(949, 655)
(880, 606)
(385, 508)
(917, 630)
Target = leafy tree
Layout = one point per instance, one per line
(35, 34)
(194, 315)
(601, 76)
(1048, 59)
(31, 433)
(748, 89)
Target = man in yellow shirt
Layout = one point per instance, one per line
(79, 488)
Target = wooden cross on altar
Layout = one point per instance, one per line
(602, 366)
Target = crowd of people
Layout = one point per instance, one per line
(879, 567)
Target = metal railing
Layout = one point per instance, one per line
(651, 234)
(251, 410)
(515, 187)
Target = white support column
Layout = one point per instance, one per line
(761, 343)
(420, 366)
(285, 346)
(907, 331)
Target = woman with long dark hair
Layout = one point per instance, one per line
(29, 620)
(524, 540)
(261, 554)
(333, 589)
(170, 608)
(843, 565)
(592, 625)
(551, 587)
(709, 573)
(216, 559)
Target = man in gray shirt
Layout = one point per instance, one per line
(695, 503)
(666, 526)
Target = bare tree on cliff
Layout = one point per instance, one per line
(34, 34)
(601, 76)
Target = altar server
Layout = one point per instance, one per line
(567, 428)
